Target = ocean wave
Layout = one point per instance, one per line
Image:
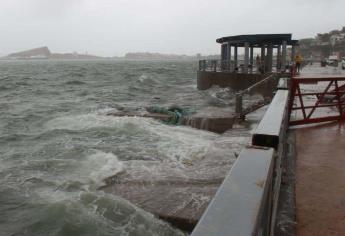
(148, 80)
(102, 165)
(155, 138)
(75, 82)
(85, 214)
(52, 165)
(6, 87)
(92, 120)
(12, 138)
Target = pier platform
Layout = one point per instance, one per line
(320, 175)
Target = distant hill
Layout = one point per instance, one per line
(42, 52)
(45, 53)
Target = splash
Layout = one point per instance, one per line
(102, 165)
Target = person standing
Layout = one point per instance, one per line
(298, 61)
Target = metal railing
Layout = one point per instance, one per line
(246, 202)
(221, 65)
(242, 111)
(218, 65)
(312, 97)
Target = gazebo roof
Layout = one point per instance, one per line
(258, 40)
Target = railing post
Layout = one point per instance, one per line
(239, 104)
(214, 65)
(222, 65)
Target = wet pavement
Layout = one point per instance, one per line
(320, 180)
(320, 175)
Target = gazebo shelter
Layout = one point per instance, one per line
(267, 43)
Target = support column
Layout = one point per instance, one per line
(279, 58)
(269, 57)
(262, 63)
(235, 57)
(229, 57)
(251, 59)
(293, 52)
(246, 57)
(223, 55)
(283, 56)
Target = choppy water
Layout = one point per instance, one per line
(57, 145)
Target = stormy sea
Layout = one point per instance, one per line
(57, 143)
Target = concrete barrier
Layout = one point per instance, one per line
(242, 203)
(269, 131)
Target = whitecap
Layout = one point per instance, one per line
(88, 121)
(102, 165)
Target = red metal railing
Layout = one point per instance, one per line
(316, 99)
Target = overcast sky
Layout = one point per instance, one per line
(114, 27)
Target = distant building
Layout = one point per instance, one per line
(337, 38)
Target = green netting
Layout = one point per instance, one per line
(176, 113)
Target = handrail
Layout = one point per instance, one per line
(218, 65)
(261, 82)
(308, 79)
(240, 111)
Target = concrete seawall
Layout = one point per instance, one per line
(235, 81)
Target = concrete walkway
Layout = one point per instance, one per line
(320, 180)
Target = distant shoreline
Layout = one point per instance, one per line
(98, 59)
(43, 53)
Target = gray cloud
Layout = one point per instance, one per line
(114, 27)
